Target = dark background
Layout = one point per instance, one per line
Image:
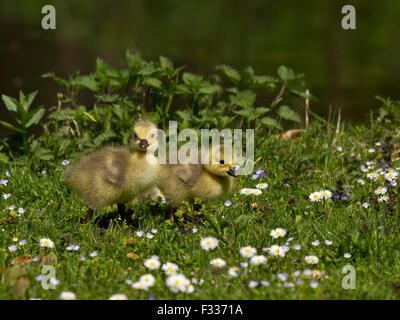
(345, 68)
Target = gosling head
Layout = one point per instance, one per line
(223, 164)
(144, 136)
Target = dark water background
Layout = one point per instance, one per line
(345, 68)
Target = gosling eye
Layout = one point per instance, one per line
(222, 162)
(152, 135)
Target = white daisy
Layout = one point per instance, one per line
(383, 199)
(246, 191)
(326, 194)
(118, 296)
(248, 251)
(372, 175)
(278, 232)
(262, 186)
(45, 242)
(169, 267)
(208, 243)
(315, 196)
(177, 283)
(277, 251)
(139, 286)
(66, 295)
(311, 259)
(233, 272)
(152, 263)
(219, 263)
(257, 192)
(257, 260)
(391, 175)
(147, 280)
(381, 190)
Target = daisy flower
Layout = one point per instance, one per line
(381, 190)
(118, 296)
(315, 196)
(219, 263)
(177, 283)
(147, 280)
(139, 286)
(253, 284)
(248, 251)
(373, 176)
(383, 199)
(277, 251)
(257, 192)
(257, 260)
(246, 191)
(169, 267)
(326, 194)
(233, 272)
(311, 259)
(278, 232)
(44, 242)
(152, 263)
(262, 186)
(391, 175)
(209, 243)
(66, 295)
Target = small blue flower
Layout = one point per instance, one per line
(228, 203)
(65, 162)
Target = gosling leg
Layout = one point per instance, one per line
(122, 211)
(89, 215)
(172, 214)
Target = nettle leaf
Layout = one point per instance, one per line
(269, 122)
(210, 89)
(88, 82)
(286, 74)
(232, 74)
(134, 60)
(247, 75)
(11, 103)
(261, 111)
(37, 114)
(244, 99)
(192, 80)
(26, 101)
(152, 82)
(288, 114)
(166, 64)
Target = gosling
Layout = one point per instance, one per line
(184, 182)
(113, 175)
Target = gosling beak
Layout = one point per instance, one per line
(232, 172)
(143, 143)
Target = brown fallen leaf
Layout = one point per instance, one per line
(132, 255)
(288, 134)
(22, 260)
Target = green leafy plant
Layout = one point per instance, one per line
(25, 118)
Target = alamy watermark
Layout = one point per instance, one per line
(349, 280)
(228, 141)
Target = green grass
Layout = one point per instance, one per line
(295, 169)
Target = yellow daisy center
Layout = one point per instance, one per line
(209, 243)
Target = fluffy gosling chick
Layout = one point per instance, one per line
(184, 182)
(113, 175)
